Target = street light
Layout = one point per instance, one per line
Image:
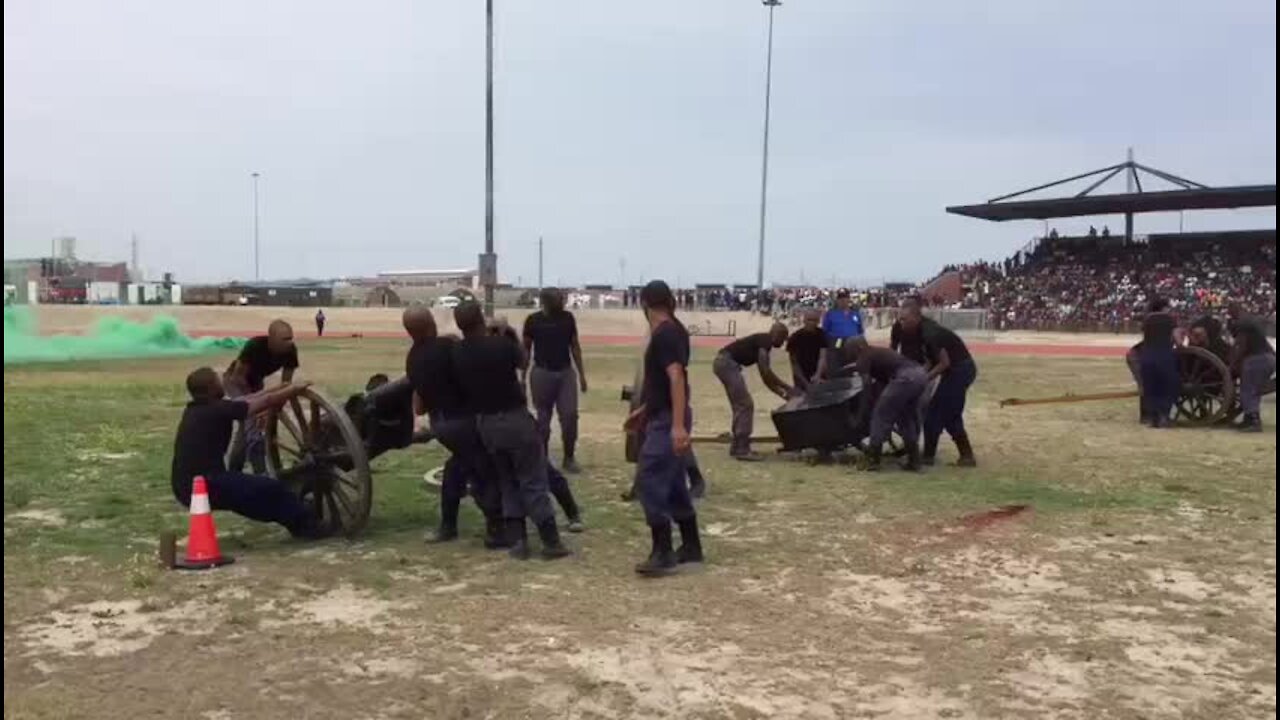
(257, 275)
(488, 265)
(764, 162)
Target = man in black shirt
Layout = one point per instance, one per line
(201, 442)
(666, 419)
(900, 383)
(745, 352)
(805, 346)
(1254, 361)
(1158, 365)
(948, 360)
(261, 357)
(551, 339)
(320, 322)
(487, 368)
(911, 345)
(429, 366)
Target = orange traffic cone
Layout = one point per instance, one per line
(202, 540)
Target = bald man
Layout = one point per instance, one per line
(261, 357)
(745, 352)
(805, 347)
(437, 394)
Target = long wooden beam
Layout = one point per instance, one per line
(1070, 398)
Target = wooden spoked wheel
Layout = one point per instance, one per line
(312, 445)
(1208, 392)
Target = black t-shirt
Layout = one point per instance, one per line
(203, 435)
(938, 337)
(260, 363)
(746, 350)
(1249, 331)
(487, 368)
(1157, 330)
(881, 363)
(668, 344)
(552, 335)
(911, 345)
(430, 367)
(805, 347)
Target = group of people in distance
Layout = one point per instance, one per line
(894, 379)
(1153, 362)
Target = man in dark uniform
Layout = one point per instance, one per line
(320, 322)
(948, 359)
(1158, 365)
(1206, 332)
(805, 347)
(437, 394)
(487, 368)
(551, 339)
(201, 443)
(261, 357)
(1253, 360)
(910, 345)
(745, 352)
(901, 382)
(666, 419)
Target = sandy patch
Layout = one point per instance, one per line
(105, 628)
(50, 518)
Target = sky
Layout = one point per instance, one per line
(628, 135)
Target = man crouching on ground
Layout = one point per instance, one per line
(201, 443)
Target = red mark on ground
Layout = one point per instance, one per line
(983, 520)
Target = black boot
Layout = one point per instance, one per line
(662, 559)
(930, 451)
(873, 458)
(552, 548)
(912, 461)
(1252, 423)
(690, 544)
(494, 537)
(966, 458)
(518, 538)
(444, 533)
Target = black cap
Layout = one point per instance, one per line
(842, 293)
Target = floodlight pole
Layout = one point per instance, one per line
(488, 160)
(764, 161)
(257, 275)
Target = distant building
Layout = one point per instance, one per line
(466, 278)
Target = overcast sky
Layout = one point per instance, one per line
(625, 130)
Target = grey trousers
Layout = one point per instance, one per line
(520, 464)
(744, 408)
(897, 406)
(1255, 371)
(556, 391)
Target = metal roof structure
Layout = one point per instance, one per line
(1189, 195)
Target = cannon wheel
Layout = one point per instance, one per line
(312, 444)
(1207, 389)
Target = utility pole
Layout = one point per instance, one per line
(489, 262)
(133, 257)
(764, 161)
(539, 262)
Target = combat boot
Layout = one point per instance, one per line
(1252, 423)
(690, 544)
(912, 462)
(552, 547)
(518, 538)
(662, 559)
(872, 458)
(966, 451)
(494, 537)
(930, 452)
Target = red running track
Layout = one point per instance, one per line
(978, 348)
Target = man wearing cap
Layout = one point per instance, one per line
(842, 322)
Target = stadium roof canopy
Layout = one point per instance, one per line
(1189, 195)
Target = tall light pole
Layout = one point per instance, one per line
(257, 275)
(489, 263)
(764, 161)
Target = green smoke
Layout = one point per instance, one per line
(110, 338)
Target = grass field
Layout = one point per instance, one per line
(1139, 584)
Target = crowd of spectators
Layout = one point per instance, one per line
(1102, 282)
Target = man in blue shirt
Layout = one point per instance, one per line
(843, 321)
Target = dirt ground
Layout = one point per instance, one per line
(1088, 569)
